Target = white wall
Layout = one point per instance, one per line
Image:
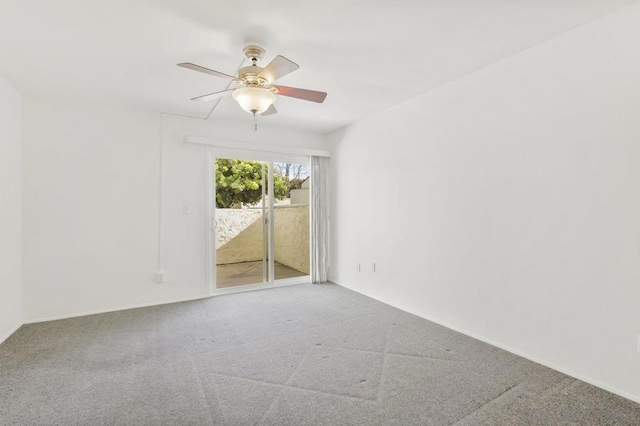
(10, 211)
(92, 206)
(507, 204)
(91, 193)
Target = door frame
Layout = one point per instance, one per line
(210, 156)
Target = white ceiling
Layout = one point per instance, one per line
(367, 55)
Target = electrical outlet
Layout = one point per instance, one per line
(160, 277)
(358, 267)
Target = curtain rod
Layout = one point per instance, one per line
(248, 146)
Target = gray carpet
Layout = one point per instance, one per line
(298, 355)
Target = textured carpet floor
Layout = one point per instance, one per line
(298, 355)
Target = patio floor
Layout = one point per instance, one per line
(235, 274)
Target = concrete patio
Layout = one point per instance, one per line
(243, 273)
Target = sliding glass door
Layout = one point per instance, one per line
(291, 222)
(260, 222)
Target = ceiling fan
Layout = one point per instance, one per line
(258, 93)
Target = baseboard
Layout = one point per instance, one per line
(104, 311)
(13, 330)
(634, 398)
(231, 290)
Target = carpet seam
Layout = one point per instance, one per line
(295, 370)
(562, 384)
(296, 387)
(489, 402)
(273, 403)
(204, 392)
(384, 363)
(418, 334)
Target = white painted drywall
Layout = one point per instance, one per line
(11, 210)
(92, 187)
(91, 193)
(507, 204)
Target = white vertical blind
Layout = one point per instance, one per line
(319, 219)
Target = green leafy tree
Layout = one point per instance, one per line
(239, 181)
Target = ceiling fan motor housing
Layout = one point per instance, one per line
(249, 74)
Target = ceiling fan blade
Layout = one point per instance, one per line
(277, 68)
(195, 67)
(307, 95)
(271, 110)
(212, 96)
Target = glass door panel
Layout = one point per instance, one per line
(240, 222)
(291, 220)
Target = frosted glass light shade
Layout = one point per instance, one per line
(254, 99)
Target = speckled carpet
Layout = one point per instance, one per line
(297, 355)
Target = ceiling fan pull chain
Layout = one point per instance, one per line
(255, 122)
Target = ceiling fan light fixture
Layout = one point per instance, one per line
(254, 100)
